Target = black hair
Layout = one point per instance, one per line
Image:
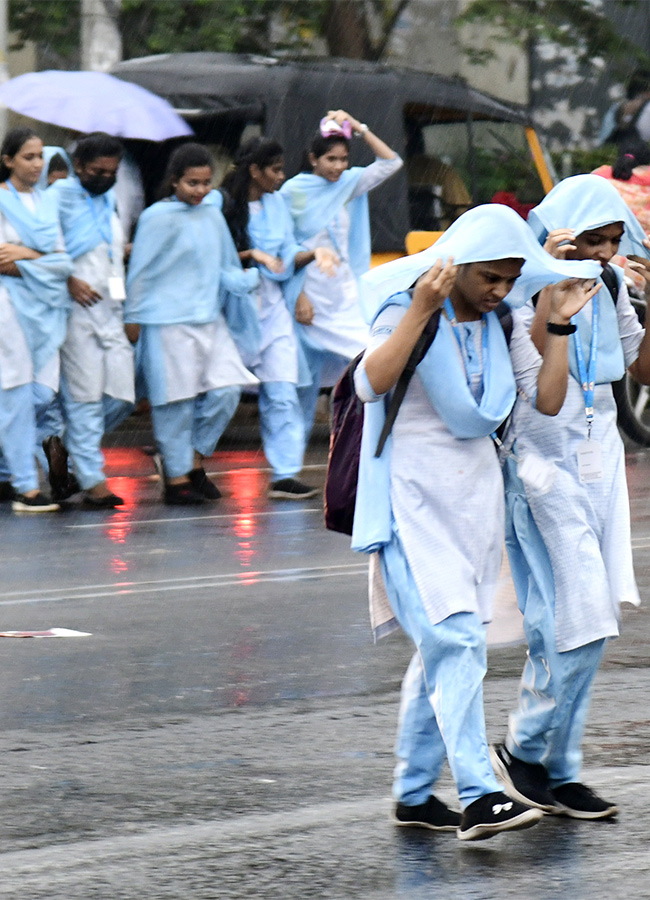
(187, 156)
(57, 164)
(319, 147)
(12, 143)
(638, 83)
(97, 144)
(261, 152)
(633, 153)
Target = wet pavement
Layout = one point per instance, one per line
(226, 729)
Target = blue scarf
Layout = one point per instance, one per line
(182, 258)
(85, 218)
(487, 232)
(313, 202)
(48, 153)
(443, 376)
(40, 297)
(584, 203)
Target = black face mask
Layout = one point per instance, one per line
(97, 184)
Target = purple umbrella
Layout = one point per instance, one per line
(93, 101)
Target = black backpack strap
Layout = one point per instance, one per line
(419, 352)
(504, 312)
(611, 282)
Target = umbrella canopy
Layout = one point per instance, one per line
(93, 101)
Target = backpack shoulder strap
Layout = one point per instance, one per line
(611, 282)
(504, 312)
(419, 352)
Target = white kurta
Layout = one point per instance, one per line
(585, 527)
(96, 357)
(15, 358)
(447, 502)
(338, 325)
(278, 358)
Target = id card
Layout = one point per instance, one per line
(590, 462)
(536, 473)
(116, 288)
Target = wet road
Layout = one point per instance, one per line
(226, 731)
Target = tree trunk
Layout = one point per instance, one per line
(346, 30)
(101, 41)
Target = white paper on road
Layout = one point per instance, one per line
(50, 632)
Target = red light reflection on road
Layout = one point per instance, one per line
(118, 526)
(246, 486)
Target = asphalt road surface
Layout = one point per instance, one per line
(225, 728)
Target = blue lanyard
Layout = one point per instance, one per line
(451, 315)
(103, 222)
(11, 187)
(588, 377)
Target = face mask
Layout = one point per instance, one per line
(97, 184)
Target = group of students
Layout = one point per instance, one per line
(433, 513)
(252, 285)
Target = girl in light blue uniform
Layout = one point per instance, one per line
(33, 311)
(329, 207)
(430, 508)
(263, 233)
(183, 258)
(569, 546)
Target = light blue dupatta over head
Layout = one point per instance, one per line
(586, 203)
(487, 232)
(48, 153)
(479, 235)
(40, 297)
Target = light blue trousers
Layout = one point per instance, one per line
(283, 431)
(441, 710)
(18, 438)
(184, 426)
(555, 687)
(48, 420)
(317, 360)
(85, 426)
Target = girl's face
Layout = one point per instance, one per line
(269, 178)
(332, 163)
(600, 244)
(194, 185)
(481, 286)
(27, 164)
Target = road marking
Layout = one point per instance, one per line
(252, 514)
(190, 583)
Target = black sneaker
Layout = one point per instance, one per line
(525, 782)
(37, 504)
(181, 495)
(202, 484)
(579, 802)
(291, 489)
(110, 501)
(493, 813)
(7, 492)
(433, 814)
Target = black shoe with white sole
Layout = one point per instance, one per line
(494, 813)
(525, 782)
(291, 489)
(433, 814)
(577, 801)
(37, 504)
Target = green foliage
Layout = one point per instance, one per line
(578, 24)
(580, 161)
(239, 26)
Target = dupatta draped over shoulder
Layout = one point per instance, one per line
(40, 297)
(85, 218)
(183, 258)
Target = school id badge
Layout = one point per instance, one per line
(116, 288)
(590, 462)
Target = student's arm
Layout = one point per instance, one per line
(385, 364)
(378, 147)
(9, 256)
(564, 300)
(640, 368)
